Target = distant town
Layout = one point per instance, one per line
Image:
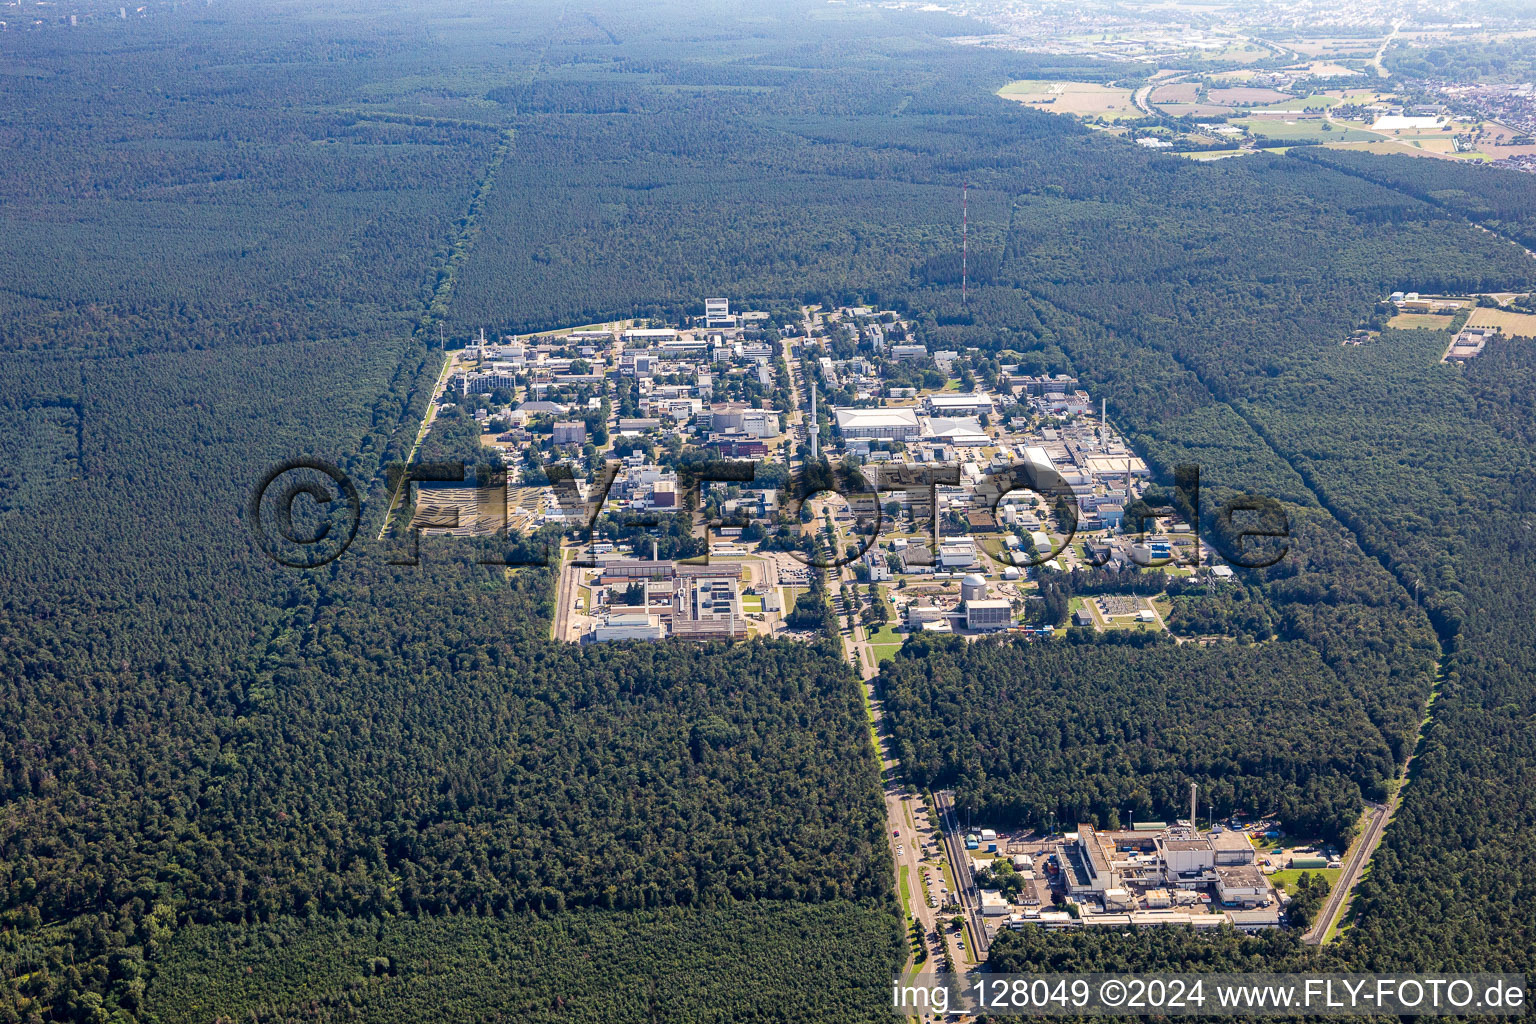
(1214, 81)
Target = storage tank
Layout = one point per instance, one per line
(973, 588)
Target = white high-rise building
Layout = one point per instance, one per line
(717, 313)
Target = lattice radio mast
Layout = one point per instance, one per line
(965, 241)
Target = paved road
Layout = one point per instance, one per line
(426, 425)
(908, 848)
(1360, 856)
(565, 593)
(1375, 61)
(954, 841)
(1162, 623)
(1139, 97)
(1354, 867)
(910, 823)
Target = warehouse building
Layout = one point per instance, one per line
(634, 625)
(961, 431)
(988, 615)
(946, 404)
(877, 424)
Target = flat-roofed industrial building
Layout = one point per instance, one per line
(877, 424)
(988, 615)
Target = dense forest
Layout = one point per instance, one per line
(1421, 463)
(1486, 60)
(1306, 723)
(1498, 200)
(380, 792)
(1113, 732)
(769, 961)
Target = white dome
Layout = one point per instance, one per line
(973, 580)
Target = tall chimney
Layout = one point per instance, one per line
(1193, 789)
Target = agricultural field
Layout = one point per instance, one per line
(1193, 110)
(1221, 154)
(1239, 96)
(1080, 99)
(1512, 324)
(1179, 92)
(1388, 147)
(1500, 140)
(1325, 69)
(1327, 47)
(1419, 322)
(1184, 98)
(1313, 101)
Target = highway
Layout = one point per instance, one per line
(1375, 62)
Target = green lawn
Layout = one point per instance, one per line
(906, 898)
(1315, 100)
(874, 736)
(1072, 607)
(885, 641)
(991, 544)
(1287, 879)
(1303, 130)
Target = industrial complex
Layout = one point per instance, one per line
(978, 478)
